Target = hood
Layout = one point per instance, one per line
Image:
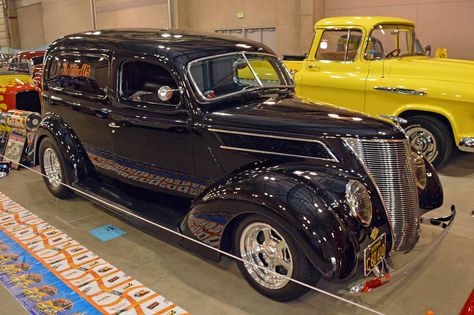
(437, 69)
(292, 116)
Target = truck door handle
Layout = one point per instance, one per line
(313, 67)
(114, 125)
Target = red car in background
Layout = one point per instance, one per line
(20, 87)
(30, 61)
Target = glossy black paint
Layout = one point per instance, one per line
(177, 150)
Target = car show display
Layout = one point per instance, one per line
(376, 65)
(207, 159)
(18, 135)
(260, 157)
(32, 252)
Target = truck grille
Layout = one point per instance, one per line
(388, 162)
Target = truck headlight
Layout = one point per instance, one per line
(420, 169)
(358, 199)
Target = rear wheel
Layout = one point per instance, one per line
(431, 137)
(53, 166)
(266, 243)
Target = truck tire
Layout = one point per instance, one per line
(55, 170)
(431, 137)
(267, 243)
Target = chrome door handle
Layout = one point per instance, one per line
(114, 125)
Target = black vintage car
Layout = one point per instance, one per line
(202, 134)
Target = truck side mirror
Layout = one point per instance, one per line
(428, 50)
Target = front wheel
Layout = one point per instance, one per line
(266, 243)
(431, 137)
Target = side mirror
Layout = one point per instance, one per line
(428, 50)
(166, 93)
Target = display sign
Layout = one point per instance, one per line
(50, 273)
(14, 149)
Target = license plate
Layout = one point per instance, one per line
(374, 254)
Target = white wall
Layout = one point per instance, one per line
(30, 26)
(63, 17)
(440, 23)
(132, 13)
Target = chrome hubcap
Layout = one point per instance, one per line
(52, 167)
(423, 141)
(262, 245)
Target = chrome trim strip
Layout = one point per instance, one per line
(273, 153)
(467, 145)
(402, 91)
(242, 133)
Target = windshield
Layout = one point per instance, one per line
(390, 41)
(221, 76)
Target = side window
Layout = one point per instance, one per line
(79, 74)
(140, 82)
(339, 45)
(389, 41)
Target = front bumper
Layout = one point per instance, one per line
(400, 264)
(466, 144)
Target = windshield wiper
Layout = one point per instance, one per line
(273, 89)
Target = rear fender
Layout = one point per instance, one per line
(75, 157)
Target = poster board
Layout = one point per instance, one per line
(14, 149)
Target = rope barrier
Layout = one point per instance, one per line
(80, 192)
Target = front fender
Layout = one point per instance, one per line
(431, 197)
(310, 209)
(70, 147)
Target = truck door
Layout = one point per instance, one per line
(152, 137)
(333, 71)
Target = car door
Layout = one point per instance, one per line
(333, 71)
(152, 138)
(76, 87)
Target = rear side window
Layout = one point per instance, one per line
(339, 45)
(79, 74)
(140, 82)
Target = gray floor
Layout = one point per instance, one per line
(441, 284)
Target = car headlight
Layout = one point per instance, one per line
(420, 169)
(358, 199)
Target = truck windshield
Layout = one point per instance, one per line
(225, 75)
(390, 41)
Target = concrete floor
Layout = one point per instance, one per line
(441, 284)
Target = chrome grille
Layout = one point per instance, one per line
(388, 162)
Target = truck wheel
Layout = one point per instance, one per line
(53, 166)
(266, 243)
(431, 137)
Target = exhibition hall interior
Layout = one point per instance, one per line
(237, 157)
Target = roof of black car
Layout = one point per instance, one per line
(175, 43)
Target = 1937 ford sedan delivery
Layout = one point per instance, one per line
(376, 65)
(202, 135)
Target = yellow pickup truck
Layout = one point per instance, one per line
(376, 65)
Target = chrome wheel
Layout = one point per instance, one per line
(52, 167)
(262, 245)
(423, 141)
